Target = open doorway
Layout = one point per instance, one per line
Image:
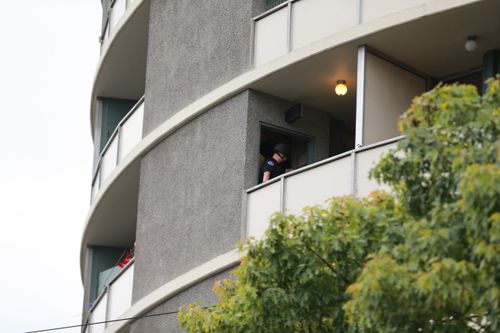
(300, 146)
(474, 78)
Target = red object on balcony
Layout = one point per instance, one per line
(126, 260)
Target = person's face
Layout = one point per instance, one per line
(281, 157)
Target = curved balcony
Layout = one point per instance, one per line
(344, 174)
(111, 221)
(126, 136)
(113, 301)
(125, 33)
(116, 12)
(297, 23)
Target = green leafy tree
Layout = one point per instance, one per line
(295, 280)
(445, 275)
(426, 259)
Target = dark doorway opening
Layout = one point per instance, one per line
(300, 146)
(474, 78)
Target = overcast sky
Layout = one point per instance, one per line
(48, 55)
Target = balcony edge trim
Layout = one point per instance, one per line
(174, 287)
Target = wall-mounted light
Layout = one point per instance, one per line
(471, 44)
(341, 88)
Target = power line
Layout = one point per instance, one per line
(102, 322)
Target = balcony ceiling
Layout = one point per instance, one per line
(123, 69)
(113, 222)
(433, 45)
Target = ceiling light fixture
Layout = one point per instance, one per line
(470, 43)
(341, 88)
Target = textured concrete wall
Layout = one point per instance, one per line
(190, 196)
(192, 185)
(271, 110)
(168, 323)
(194, 47)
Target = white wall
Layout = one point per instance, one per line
(372, 9)
(389, 90)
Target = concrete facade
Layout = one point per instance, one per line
(201, 292)
(194, 47)
(192, 185)
(190, 196)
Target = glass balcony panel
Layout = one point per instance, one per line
(315, 186)
(117, 12)
(271, 39)
(106, 276)
(316, 19)
(261, 204)
(108, 162)
(98, 314)
(372, 9)
(120, 293)
(366, 160)
(95, 187)
(131, 132)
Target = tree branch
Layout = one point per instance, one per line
(318, 256)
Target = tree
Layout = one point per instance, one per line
(445, 275)
(295, 280)
(426, 258)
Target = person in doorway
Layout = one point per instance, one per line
(275, 165)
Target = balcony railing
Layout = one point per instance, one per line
(113, 301)
(295, 23)
(126, 136)
(344, 174)
(116, 11)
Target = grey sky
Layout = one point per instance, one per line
(48, 55)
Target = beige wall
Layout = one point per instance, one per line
(313, 20)
(389, 90)
(372, 9)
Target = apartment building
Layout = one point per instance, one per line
(188, 99)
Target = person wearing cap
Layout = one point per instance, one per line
(275, 165)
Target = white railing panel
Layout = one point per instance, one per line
(95, 187)
(315, 19)
(120, 294)
(315, 186)
(372, 9)
(271, 37)
(131, 132)
(117, 12)
(366, 160)
(261, 204)
(98, 314)
(108, 162)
